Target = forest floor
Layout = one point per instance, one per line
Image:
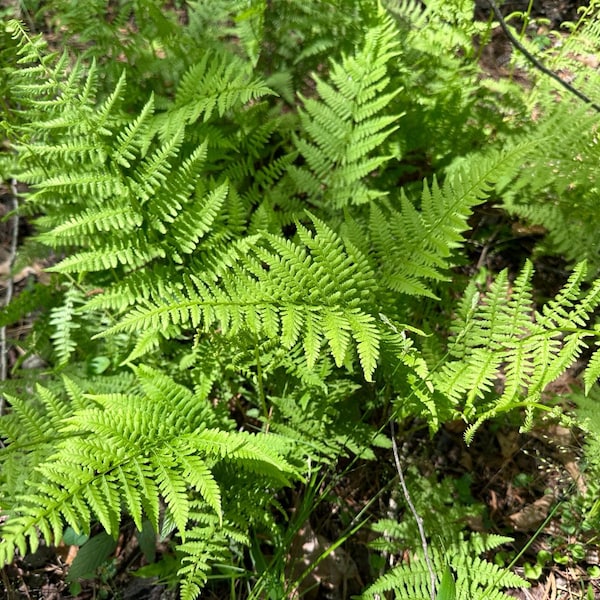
(516, 479)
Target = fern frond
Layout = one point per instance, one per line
(592, 371)
(189, 226)
(309, 293)
(414, 245)
(88, 222)
(62, 319)
(474, 577)
(502, 333)
(129, 450)
(217, 83)
(348, 122)
(133, 138)
(207, 543)
(132, 252)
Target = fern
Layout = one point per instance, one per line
(121, 451)
(347, 125)
(266, 204)
(453, 554)
(502, 333)
(265, 291)
(414, 245)
(474, 578)
(564, 204)
(62, 318)
(216, 84)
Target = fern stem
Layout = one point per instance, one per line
(526, 18)
(413, 510)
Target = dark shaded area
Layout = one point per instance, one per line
(556, 11)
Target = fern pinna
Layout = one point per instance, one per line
(214, 246)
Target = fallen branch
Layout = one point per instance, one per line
(413, 510)
(535, 62)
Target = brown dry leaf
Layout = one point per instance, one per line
(333, 572)
(551, 587)
(36, 269)
(509, 443)
(67, 553)
(493, 503)
(73, 550)
(589, 60)
(530, 517)
(555, 434)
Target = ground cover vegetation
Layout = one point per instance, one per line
(283, 262)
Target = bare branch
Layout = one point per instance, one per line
(413, 510)
(535, 62)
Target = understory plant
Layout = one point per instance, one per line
(252, 218)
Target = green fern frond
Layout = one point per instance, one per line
(67, 153)
(193, 224)
(475, 578)
(64, 323)
(99, 184)
(132, 140)
(88, 222)
(314, 292)
(207, 543)
(152, 173)
(502, 333)
(414, 245)
(217, 83)
(128, 451)
(592, 371)
(348, 122)
(132, 252)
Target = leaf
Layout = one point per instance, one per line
(93, 554)
(447, 589)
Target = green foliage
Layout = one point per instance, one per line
(116, 452)
(254, 214)
(474, 578)
(503, 333)
(558, 190)
(455, 556)
(348, 122)
(581, 514)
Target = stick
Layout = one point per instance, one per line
(534, 61)
(413, 510)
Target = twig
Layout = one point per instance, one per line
(534, 61)
(413, 510)
(9, 283)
